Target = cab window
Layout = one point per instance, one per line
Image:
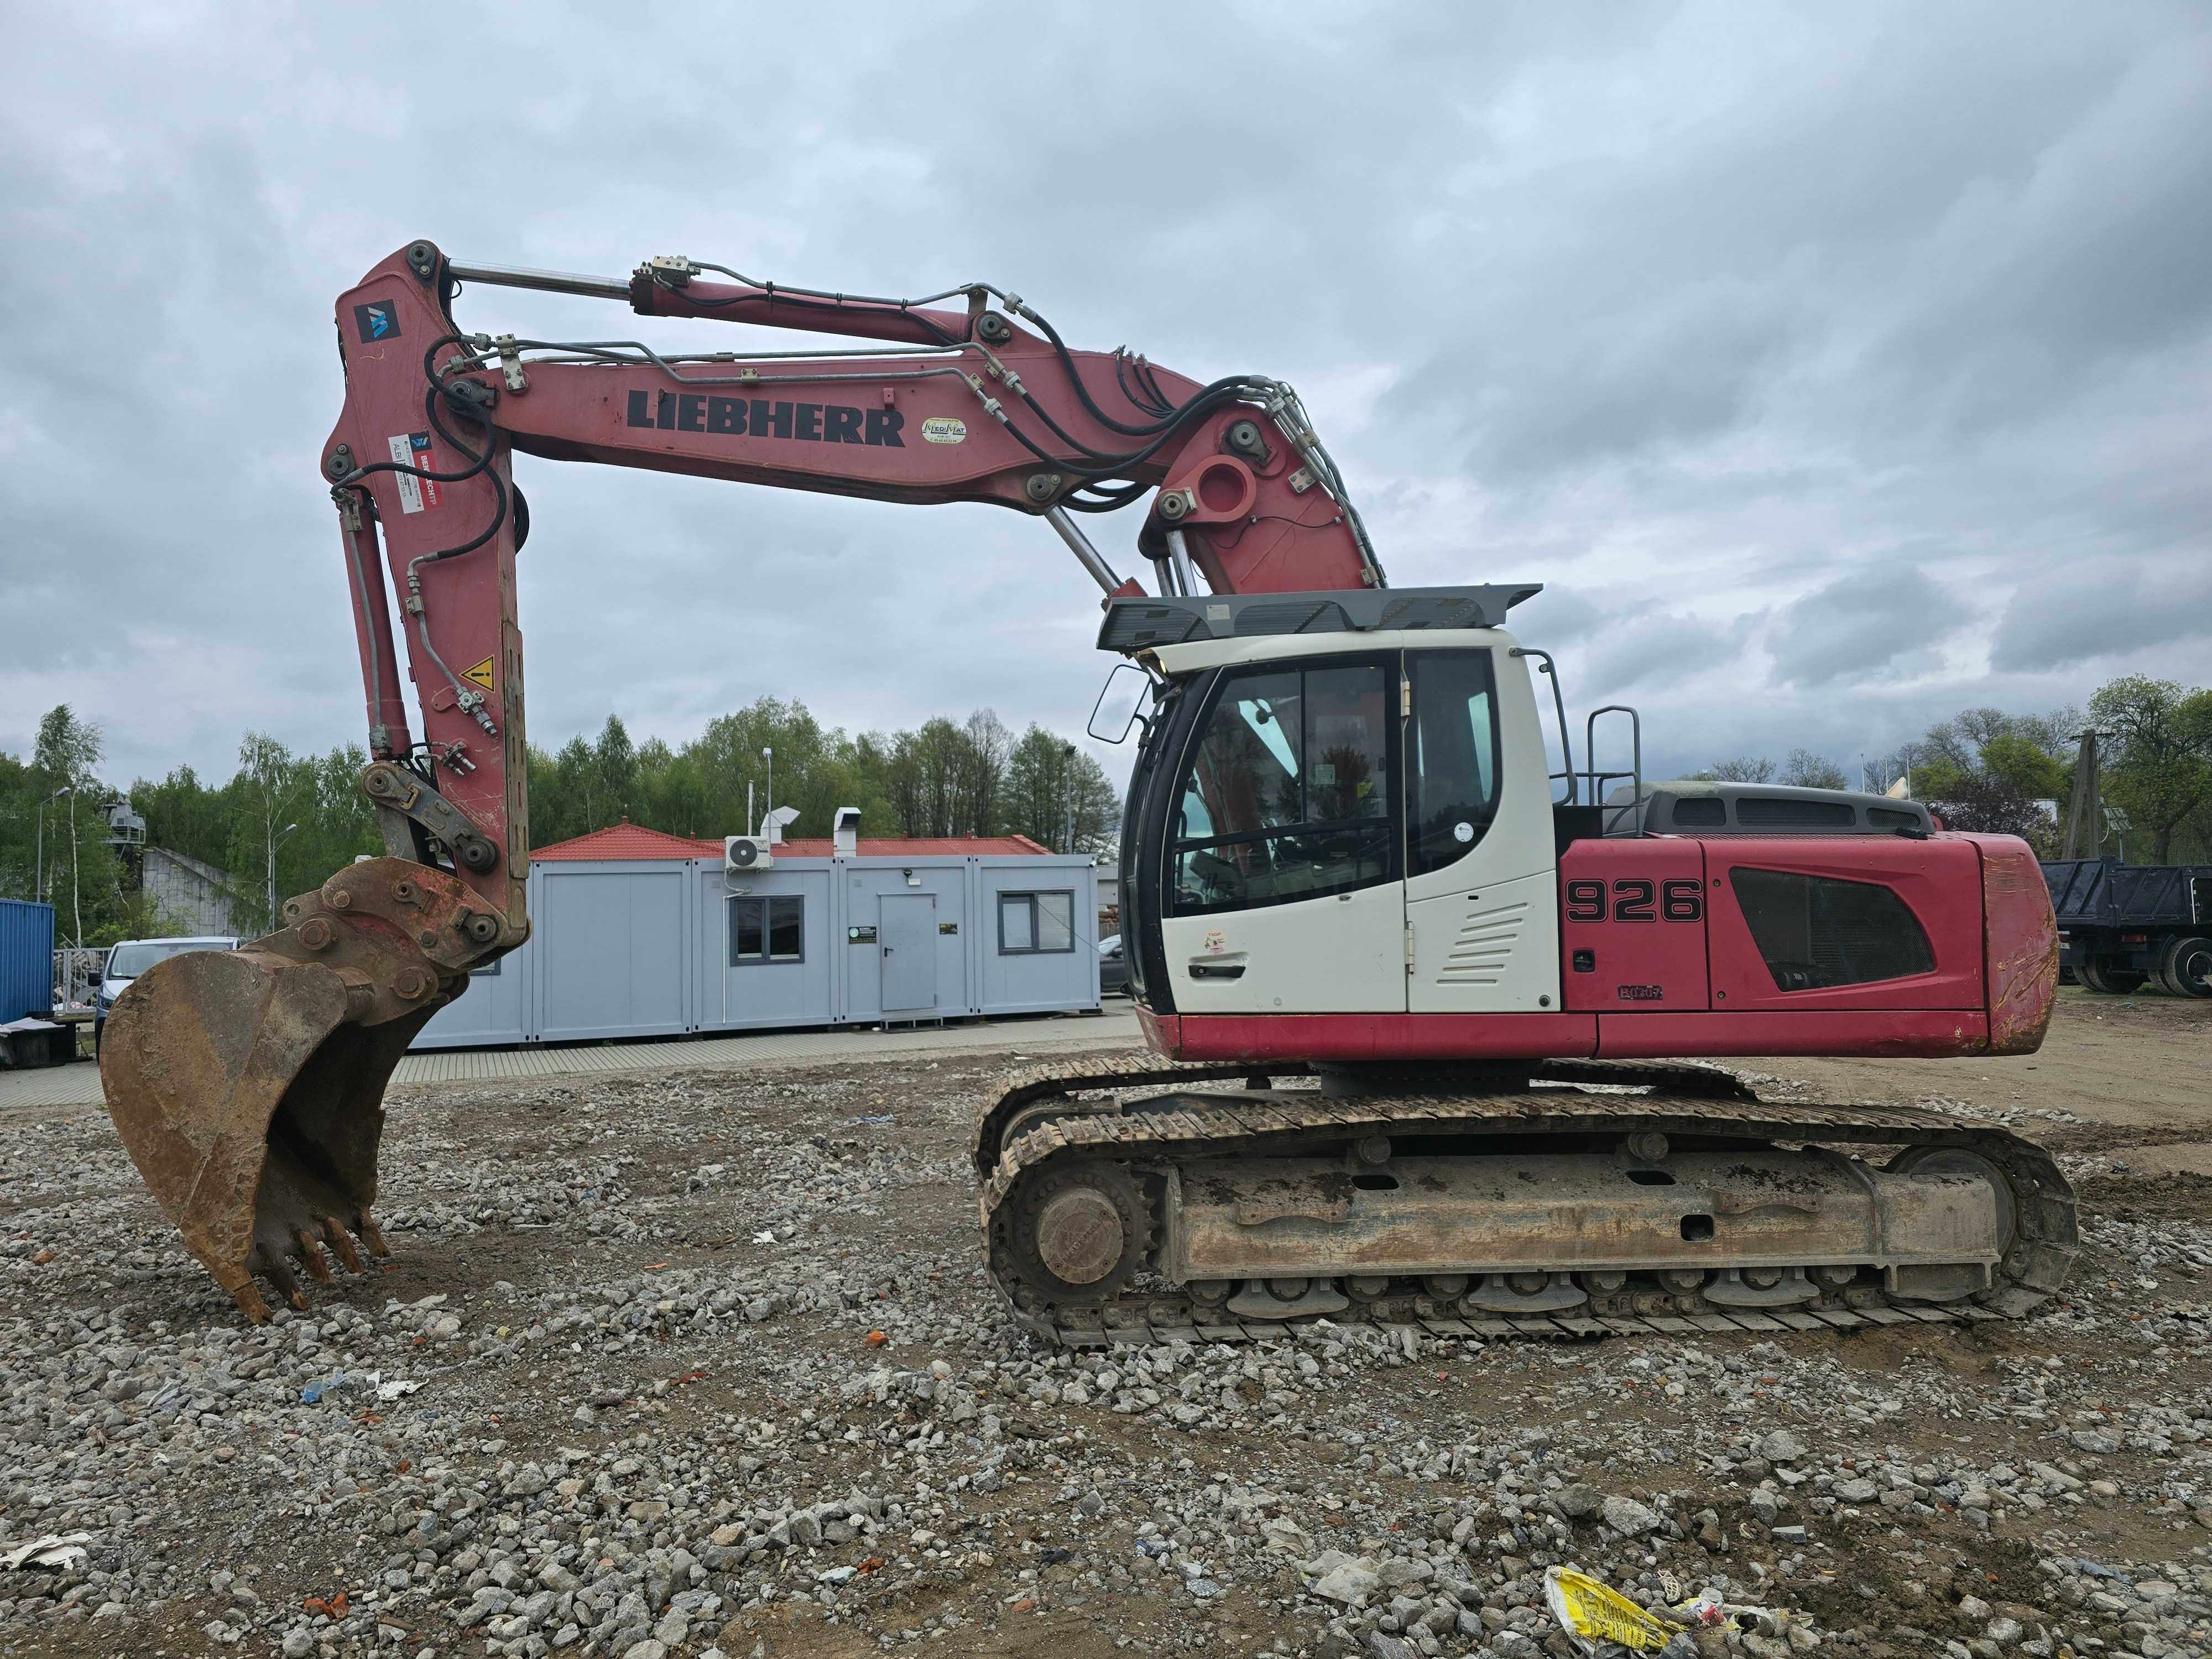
(1287, 795)
(1451, 793)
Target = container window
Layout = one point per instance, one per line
(768, 930)
(1036, 924)
(1816, 931)
(1701, 812)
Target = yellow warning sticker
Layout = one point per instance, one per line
(481, 674)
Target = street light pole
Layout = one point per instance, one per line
(77, 910)
(276, 838)
(38, 880)
(768, 754)
(1068, 787)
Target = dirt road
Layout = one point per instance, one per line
(705, 1361)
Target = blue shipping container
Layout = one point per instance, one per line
(26, 959)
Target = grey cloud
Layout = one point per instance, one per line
(1641, 304)
(1858, 625)
(1693, 368)
(2107, 610)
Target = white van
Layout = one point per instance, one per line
(132, 957)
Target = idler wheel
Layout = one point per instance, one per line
(1959, 1161)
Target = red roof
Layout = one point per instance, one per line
(631, 841)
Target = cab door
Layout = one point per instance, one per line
(1482, 921)
(1283, 859)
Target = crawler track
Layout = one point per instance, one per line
(1154, 1114)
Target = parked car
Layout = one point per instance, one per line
(133, 957)
(1113, 968)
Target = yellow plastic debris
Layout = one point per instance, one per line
(1591, 1612)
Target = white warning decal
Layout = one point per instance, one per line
(413, 449)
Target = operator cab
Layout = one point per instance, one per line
(1342, 806)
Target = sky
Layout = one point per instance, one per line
(1834, 368)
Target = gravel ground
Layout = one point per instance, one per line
(698, 1363)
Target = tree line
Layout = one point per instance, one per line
(283, 821)
(972, 777)
(1985, 769)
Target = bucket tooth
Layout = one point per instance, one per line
(248, 1295)
(273, 1269)
(310, 1253)
(342, 1242)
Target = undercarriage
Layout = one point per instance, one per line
(1222, 1202)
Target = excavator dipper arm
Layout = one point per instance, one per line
(248, 1085)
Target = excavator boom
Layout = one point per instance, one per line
(248, 1086)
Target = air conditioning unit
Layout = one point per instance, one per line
(746, 853)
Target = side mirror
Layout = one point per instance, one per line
(1120, 702)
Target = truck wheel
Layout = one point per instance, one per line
(2185, 967)
(2112, 981)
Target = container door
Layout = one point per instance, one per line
(907, 929)
(1284, 894)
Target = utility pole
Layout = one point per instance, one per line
(2085, 818)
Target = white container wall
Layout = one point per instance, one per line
(906, 929)
(492, 1013)
(623, 971)
(1038, 936)
(668, 947)
(767, 949)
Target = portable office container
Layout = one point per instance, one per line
(26, 959)
(635, 933)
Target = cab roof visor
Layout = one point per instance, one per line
(1131, 625)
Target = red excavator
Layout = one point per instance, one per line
(1423, 1002)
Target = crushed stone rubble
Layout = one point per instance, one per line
(706, 1364)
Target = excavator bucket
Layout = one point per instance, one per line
(248, 1085)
